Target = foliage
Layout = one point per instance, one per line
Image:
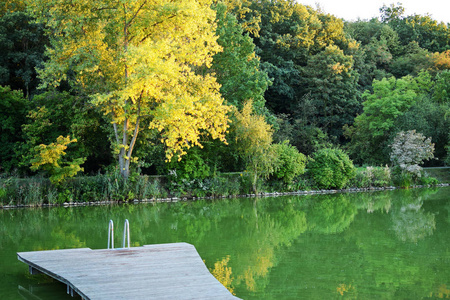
(428, 33)
(13, 110)
(369, 135)
(290, 162)
(409, 150)
(441, 92)
(22, 44)
(427, 117)
(371, 177)
(141, 63)
(237, 67)
(254, 137)
(296, 43)
(11, 6)
(331, 84)
(447, 147)
(331, 168)
(150, 80)
(49, 158)
(412, 61)
(390, 98)
(53, 114)
(428, 180)
(191, 167)
(441, 60)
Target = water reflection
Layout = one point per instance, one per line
(411, 223)
(389, 244)
(331, 214)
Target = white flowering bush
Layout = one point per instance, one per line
(409, 150)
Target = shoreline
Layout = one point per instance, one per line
(179, 199)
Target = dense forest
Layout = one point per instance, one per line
(200, 87)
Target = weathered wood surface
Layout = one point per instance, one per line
(164, 271)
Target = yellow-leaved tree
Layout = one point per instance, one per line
(140, 61)
(254, 139)
(50, 158)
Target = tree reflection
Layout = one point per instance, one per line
(223, 273)
(331, 214)
(410, 222)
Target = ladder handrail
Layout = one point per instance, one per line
(111, 234)
(126, 233)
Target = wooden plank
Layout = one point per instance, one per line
(164, 271)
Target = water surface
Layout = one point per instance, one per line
(379, 245)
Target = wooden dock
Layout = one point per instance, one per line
(164, 271)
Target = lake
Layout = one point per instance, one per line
(371, 245)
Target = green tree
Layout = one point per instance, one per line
(428, 33)
(412, 61)
(287, 34)
(237, 67)
(428, 117)
(390, 99)
(22, 44)
(441, 92)
(13, 111)
(332, 86)
(141, 63)
(392, 12)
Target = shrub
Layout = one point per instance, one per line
(192, 166)
(290, 162)
(428, 180)
(382, 177)
(409, 150)
(371, 177)
(401, 178)
(331, 168)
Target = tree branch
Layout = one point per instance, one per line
(136, 13)
(155, 24)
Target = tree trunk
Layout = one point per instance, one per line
(124, 167)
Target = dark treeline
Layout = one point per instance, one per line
(316, 82)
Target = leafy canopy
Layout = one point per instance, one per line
(139, 61)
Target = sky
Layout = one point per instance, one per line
(351, 10)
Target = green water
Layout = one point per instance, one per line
(380, 245)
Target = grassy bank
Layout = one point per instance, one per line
(111, 188)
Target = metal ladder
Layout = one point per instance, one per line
(126, 234)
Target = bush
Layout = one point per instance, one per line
(426, 179)
(381, 177)
(331, 168)
(290, 162)
(409, 150)
(191, 166)
(402, 178)
(371, 177)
